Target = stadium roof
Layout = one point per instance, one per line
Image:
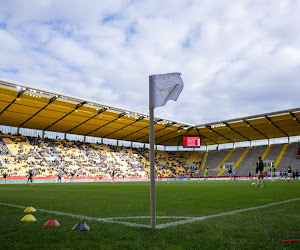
(26, 106)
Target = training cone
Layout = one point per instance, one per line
(29, 210)
(81, 226)
(52, 222)
(28, 217)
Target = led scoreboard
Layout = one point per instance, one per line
(191, 141)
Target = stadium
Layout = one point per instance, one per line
(72, 146)
(149, 124)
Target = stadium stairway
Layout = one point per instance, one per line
(272, 153)
(49, 150)
(203, 161)
(235, 159)
(289, 158)
(214, 159)
(249, 161)
(226, 158)
(48, 147)
(283, 150)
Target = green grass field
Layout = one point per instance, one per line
(245, 230)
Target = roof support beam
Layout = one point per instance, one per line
(155, 131)
(178, 144)
(205, 136)
(210, 128)
(155, 122)
(137, 120)
(50, 101)
(100, 111)
(248, 124)
(21, 92)
(270, 120)
(179, 136)
(168, 125)
(294, 117)
(181, 127)
(253, 116)
(120, 115)
(139, 130)
(133, 132)
(77, 107)
(80, 105)
(228, 126)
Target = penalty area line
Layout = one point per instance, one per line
(194, 219)
(184, 219)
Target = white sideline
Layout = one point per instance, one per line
(160, 226)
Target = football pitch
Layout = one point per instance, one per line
(190, 215)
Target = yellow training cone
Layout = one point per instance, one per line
(29, 210)
(28, 217)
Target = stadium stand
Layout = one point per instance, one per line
(244, 159)
(290, 158)
(214, 159)
(298, 153)
(48, 157)
(235, 159)
(273, 153)
(19, 156)
(249, 162)
(44, 112)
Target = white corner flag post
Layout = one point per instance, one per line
(162, 88)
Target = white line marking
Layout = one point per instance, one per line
(193, 219)
(107, 220)
(148, 217)
(160, 226)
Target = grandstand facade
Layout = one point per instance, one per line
(52, 133)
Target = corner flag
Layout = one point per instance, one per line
(163, 88)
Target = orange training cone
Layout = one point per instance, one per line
(52, 222)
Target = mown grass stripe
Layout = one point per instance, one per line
(160, 226)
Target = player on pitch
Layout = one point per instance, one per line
(205, 175)
(273, 173)
(30, 177)
(290, 173)
(260, 172)
(230, 173)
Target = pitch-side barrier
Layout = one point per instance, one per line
(53, 179)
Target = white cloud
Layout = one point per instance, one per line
(237, 58)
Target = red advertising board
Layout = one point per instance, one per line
(191, 141)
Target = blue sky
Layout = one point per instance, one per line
(237, 58)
